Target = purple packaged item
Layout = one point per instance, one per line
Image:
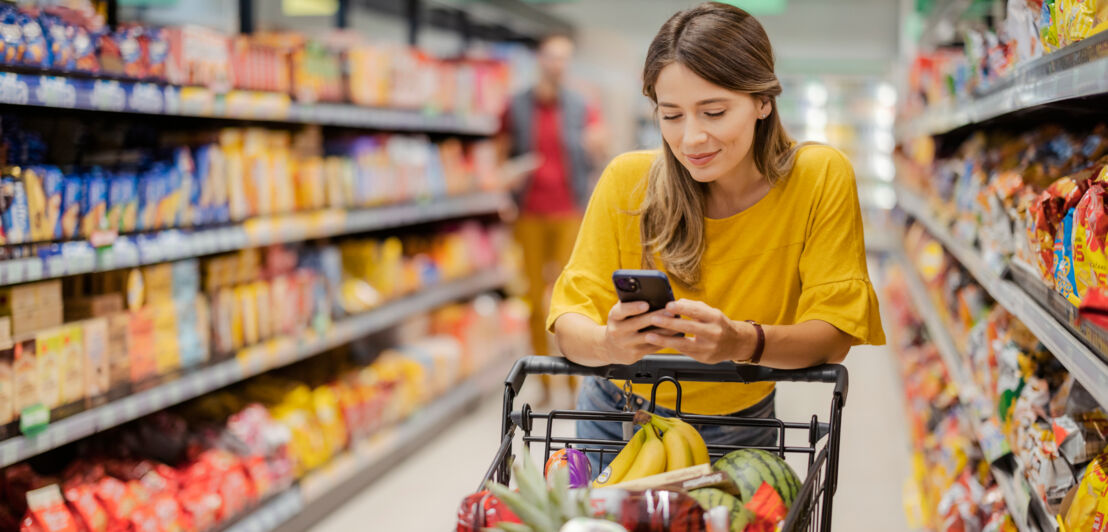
(580, 471)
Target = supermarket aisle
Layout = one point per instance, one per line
(423, 492)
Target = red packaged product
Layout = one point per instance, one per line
(483, 510)
(201, 505)
(117, 499)
(82, 498)
(768, 509)
(47, 512)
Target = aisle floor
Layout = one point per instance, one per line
(422, 494)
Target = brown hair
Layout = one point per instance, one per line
(727, 47)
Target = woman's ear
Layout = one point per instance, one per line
(766, 107)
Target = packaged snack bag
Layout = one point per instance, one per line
(123, 202)
(155, 44)
(1090, 229)
(17, 221)
(84, 51)
(81, 495)
(72, 198)
(94, 206)
(11, 35)
(48, 511)
(35, 49)
(44, 201)
(1064, 280)
(59, 39)
(1089, 506)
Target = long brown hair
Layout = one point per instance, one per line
(727, 47)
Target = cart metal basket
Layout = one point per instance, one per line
(812, 508)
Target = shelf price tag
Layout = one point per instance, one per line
(34, 419)
(108, 95)
(56, 91)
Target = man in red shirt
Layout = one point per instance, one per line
(559, 128)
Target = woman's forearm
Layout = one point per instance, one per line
(803, 345)
(581, 340)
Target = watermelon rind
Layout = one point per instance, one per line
(709, 498)
(750, 467)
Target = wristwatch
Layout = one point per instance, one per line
(759, 347)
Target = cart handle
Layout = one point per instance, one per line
(653, 367)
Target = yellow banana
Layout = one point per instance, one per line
(678, 452)
(696, 441)
(623, 461)
(651, 459)
(692, 436)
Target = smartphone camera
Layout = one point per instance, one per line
(627, 284)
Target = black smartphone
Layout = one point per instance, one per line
(651, 286)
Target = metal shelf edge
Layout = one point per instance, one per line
(215, 240)
(223, 373)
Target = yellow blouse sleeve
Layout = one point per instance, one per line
(835, 285)
(585, 285)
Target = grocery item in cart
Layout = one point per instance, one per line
(574, 462)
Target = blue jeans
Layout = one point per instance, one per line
(601, 395)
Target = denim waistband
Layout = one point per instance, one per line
(614, 396)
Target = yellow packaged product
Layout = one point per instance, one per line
(1088, 508)
(48, 353)
(247, 299)
(73, 382)
(325, 401)
(235, 172)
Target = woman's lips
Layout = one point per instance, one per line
(701, 159)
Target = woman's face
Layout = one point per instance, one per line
(709, 128)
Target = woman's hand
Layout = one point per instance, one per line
(624, 341)
(710, 336)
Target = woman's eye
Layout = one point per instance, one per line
(670, 117)
(716, 114)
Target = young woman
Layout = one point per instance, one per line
(761, 238)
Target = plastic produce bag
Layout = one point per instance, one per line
(650, 510)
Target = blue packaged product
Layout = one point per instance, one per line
(35, 49)
(123, 202)
(173, 202)
(211, 194)
(72, 194)
(186, 208)
(84, 51)
(94, 207)
(59, 43)
(17, 222)
(156, 43)
(11, 35)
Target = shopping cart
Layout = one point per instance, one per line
(812, 508)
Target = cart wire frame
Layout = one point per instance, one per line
(812, 508)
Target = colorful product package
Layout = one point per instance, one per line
(44, 185)
(1064, 280)
(25, 375)
(1090, 229)
(48, 355)
(121, 54)
(94, 204)
(97, 376)
(84, 51)
(59, 38)
(11, 35)
(35, 49)
(7, 384)
(123, 202)
(73, 362)
(1088, 506)
(210, 192)
(72, 199)
(17, 221)
(48, 511)
(155, 43)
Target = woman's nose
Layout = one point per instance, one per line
(694, 133)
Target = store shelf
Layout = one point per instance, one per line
(1005, 466)
(1077, 71)
(247, 363)
(1081, 361)
(63, 92)
(323, 490)
(73, 258)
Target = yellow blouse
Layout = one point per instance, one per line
(796, 255)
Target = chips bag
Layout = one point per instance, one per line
(1088, 509)
(1063, 260)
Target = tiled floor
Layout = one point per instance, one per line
(423, 493)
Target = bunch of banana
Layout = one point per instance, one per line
(662, 444)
